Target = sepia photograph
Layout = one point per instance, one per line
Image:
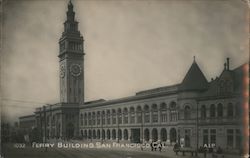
(124, 78)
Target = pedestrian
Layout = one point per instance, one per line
(151, 145)
(205, 152)
(160, 146)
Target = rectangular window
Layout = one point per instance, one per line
(205, 136)
(230, 138)
(213, 136)
(238, 138)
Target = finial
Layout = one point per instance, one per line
(70, 3)
(194, 58)
(228, 63)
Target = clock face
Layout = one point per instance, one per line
(62, 71)
(75, 69)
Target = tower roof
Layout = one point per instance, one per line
(194, 79)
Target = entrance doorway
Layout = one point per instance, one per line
(135, 135)
(69, 130)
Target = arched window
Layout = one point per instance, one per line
(108, 117)
(220, 110)
(125, 133)
(203, 112)
(173, 111)
(108, 134)
(103, 117)
(113, 116)
(163, 110)
(154, 134)
(146, 134)
(94, 134)
(85, 119)
(89, 117)
(139, 114)
(98, 134)
(187, 112)
(155, 113)
(119, 116)
(146, 114)
(113, 134)
(103, 134)
(119, 134)
(212, 110)
(93, 118)
(125, 115)
(132, 114)
(237, 109)
(163, 134)
(230, 110)
(98, 118)
(81, 119)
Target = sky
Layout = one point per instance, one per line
(130, 46)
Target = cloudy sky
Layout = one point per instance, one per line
(130, 46)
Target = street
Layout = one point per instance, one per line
(11, 152)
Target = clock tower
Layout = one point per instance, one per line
(71, 59)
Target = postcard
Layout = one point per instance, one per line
(124, 78)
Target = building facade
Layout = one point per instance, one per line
(195, 112)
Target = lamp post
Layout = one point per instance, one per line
(102, 127)
(118, 123)
(142, 126)
(45, 125)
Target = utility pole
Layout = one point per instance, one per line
(45, 125)
(102, 127)
(118, 121)
(142, 126)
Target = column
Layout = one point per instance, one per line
(159, 116)
(159, 134)
(129, 134)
